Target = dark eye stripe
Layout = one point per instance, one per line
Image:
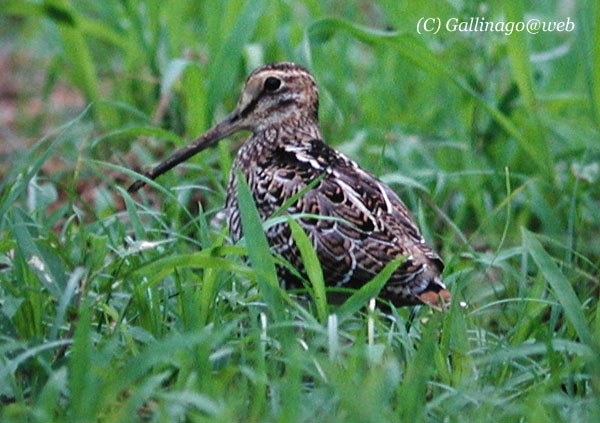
(286, 102)
(250, 107)
(281, 104)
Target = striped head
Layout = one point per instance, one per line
(276, 94)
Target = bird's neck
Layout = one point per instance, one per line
(290, 131)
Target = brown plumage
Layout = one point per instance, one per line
(286, 152)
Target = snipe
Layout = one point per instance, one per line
(279, 105)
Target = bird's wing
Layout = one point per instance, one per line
(364, 224)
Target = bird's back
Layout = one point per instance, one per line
(362, 224)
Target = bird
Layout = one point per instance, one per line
(364, 223)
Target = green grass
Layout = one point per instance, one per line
(117, 308)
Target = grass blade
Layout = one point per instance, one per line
(141, 131)
(12, 365)
(83, 70)
(193, 92)
(258, 247)
(413, 391)
(521, 69)
(312, 265)
(155, 270)
(560, 285)
(221, 75)
(138, 227)
(596, 66)
(83, 384)
(31, 164)
(369, 290)
(42, 261)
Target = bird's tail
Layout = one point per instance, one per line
(435, 294)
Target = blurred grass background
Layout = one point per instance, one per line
(115, 308)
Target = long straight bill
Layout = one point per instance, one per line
(209, 138)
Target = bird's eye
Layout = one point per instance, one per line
(272, 84)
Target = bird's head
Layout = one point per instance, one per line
(277, 94)
(274, 95)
